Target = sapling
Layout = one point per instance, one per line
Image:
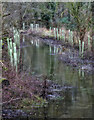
(31, 25)
(7, 40)
(55, 33)
(13, 28)
(23, 26)
(50, 29)
(18, 56)
(18, 40)
(0, 45)
(60, 31)
(14, 31)
(11, 58)
(88, 42)
(82, 48)
(8, 45)
(79, 47)
(15, 60)
(14, 47)
(63, 35)
(14, 51)
(11, 44)
(15, 38)
(36, 43)
(71, 37)
(36, 27)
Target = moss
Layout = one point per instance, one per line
(36, 102)
(2, 79)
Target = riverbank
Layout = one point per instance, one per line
(69, 54)
(27, 92)
(21, 91)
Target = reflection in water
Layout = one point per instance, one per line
(23, 39)
(77, 100)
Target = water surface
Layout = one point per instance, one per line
(78, 102)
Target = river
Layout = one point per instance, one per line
(75, 87)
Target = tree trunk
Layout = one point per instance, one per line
(92, 9)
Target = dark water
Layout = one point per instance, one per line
(78, 102)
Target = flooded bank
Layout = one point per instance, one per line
(48, 62)
(72, 90)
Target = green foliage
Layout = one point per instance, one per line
(80, 14)
(2, 79)
(69, 24)
(47, 13)
(37, 102)
(65, 20)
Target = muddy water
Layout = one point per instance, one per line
(77, 98)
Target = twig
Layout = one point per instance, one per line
(11, 100)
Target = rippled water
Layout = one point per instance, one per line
(78, 101)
